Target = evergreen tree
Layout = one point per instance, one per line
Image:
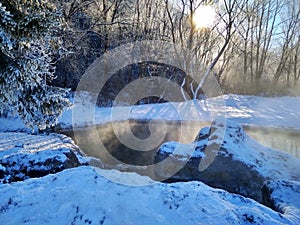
(29, 46)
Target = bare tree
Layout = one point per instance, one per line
(289, 43)
(231, 12)
(257, 32)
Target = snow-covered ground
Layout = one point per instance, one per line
(82, 196)
(236, 144)
(23, 156)
(264, 112)
(246, 110)
(231, 161)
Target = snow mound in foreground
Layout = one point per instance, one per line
(231, 161)
(285, 196)
(82, 196)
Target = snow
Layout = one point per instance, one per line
(12, 124)
(23, 156)
(183, 151)
(246, 110)
(262, 111)
(12, 143)
(82, 196)
(270, 163)
(290, 192)
(2, 168)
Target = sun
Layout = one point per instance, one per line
(204, 17)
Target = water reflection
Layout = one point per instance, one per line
(108, 135)
(113, 151)
(278, 138)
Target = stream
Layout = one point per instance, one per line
(284, 139)
(114, 143)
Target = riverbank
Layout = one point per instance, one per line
(69, 190)
(277, 112)
(82, 194)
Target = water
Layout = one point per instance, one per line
(287, 140)
(114, 143)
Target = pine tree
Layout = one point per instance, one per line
(29, 45)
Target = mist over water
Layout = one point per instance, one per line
(287, 140)
(88, 141)
(114, 151)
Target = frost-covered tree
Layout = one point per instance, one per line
(29, 46)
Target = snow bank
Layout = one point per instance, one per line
(230, 141)
(246, 110)
(225, 157)
(262, 111)
(271, 163)
(13, 124)
(82, 196)
(283, 196)
(23, 156)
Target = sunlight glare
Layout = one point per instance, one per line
(204, 17)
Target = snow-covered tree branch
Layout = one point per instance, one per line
(30, 43)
